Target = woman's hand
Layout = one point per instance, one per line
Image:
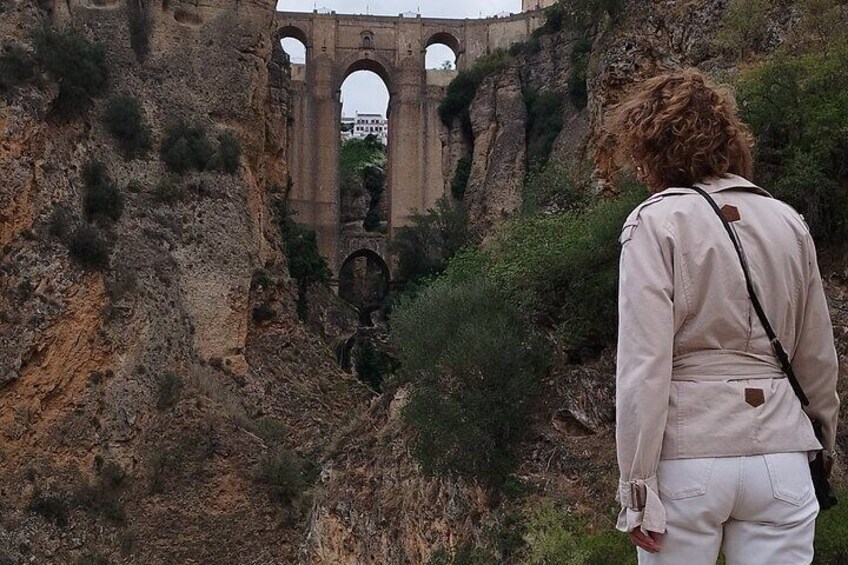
(649, 542)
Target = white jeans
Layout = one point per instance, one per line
(756, 509)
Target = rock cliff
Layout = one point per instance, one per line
(140, 403)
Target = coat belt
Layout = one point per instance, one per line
(723, 365)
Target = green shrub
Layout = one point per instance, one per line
(798, 107)
(357, 153)
(743, 25)
(103, 200)
(373, 220)
(16, 67)
(61, 222)
(103, 496)
(554, 536)
(459, 184)
(374, 180)
(544, 123)
(168, 190)
(272, 431)
(361, 169)
(465, 554)
(140, 24)
(229, 152)
(170, 387)
(557, 186)
(578, 90)
(564, 268)
(304, 260)
(262, 279)
(88, 248)
(424, 247)
(284, 474)
(474, 365)
(306, 265)
(561, 268)
(372, 365)
(92, 558)
(831, 541)
(51, 508)
(263, 313)
(186, 147)
(124, 118)
(78, 66)
(578, 15)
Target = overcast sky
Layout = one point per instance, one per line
(364, 91)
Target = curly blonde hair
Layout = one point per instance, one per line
(679, 128)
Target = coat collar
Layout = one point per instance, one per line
(728, 181)
(718, 184)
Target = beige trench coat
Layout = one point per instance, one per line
(696, 376)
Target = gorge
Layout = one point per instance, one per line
(176, 380)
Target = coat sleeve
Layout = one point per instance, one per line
(815, 362)
(643, 369)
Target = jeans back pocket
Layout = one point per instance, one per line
(684, 478)
(790, 476)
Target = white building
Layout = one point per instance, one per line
(348, 124)
(364, 125)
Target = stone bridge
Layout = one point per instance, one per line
(394, 48)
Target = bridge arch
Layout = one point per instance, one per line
(364, 294)
(445, 38)
(294, 32)
(374, 256)
(374, 63)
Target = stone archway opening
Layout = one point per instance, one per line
(364, 154)
(441, 52)
(292, 51)
(364, 280)
(295, 49)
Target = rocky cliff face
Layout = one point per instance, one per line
(138, 403)
(647, 38)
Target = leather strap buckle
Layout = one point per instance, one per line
(637, 496)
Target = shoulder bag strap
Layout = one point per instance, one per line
(779, 351)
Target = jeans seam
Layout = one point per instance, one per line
(740, 484)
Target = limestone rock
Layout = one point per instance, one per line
(498, 117)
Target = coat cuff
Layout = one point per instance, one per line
(640, 506)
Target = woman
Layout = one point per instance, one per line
(712, 442)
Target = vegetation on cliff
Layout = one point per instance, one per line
(472, 384)
(124, 117)
(186, 147)
(798, 107)
(306, 264)
(362, 170)
(544, 123)
(462, 89)
(425, 246)
(76, 64)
